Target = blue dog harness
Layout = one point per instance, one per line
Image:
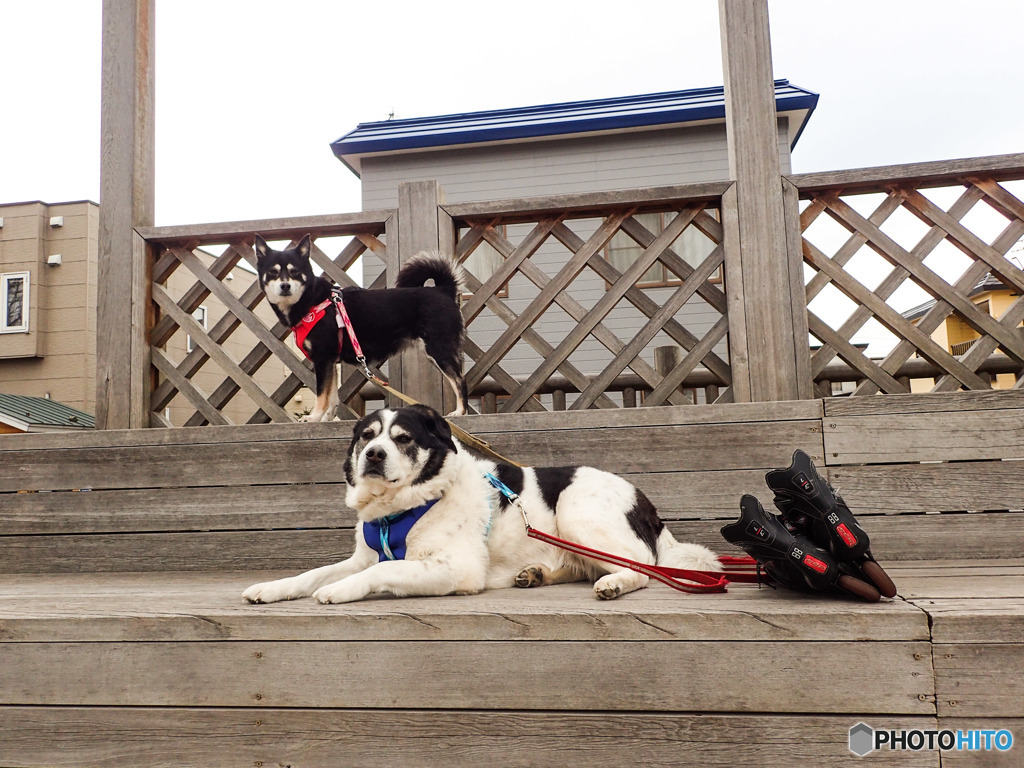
(386, 536)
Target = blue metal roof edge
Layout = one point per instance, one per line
(364, 141)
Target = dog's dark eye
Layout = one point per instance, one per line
(403, 439)
(367, 434)
(294, 272)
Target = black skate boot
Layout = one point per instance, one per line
(788, 558)
(811, 507)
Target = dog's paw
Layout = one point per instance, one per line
(340, 592)
(269, 592)
(531, 576)
(608, 591)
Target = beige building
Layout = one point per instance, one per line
(48, 257)
(956, 336)
(48, 301)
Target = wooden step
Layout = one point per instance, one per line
(174, 669)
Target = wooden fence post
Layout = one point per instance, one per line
(422, 226)
(126, 202)
(768, 316)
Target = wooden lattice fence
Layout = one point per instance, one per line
(563, 252)
(864, 205)
(180, 253)
(621, 299)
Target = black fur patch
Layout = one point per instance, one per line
(644, 521)
(429, 431)
(512, 477)
(552, 481)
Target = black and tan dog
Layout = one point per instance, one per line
(385, 321)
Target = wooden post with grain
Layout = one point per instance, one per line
(127, 197)
(767, 317)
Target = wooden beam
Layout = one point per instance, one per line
(127, 196)
(767, 292)
(271, 229)
(917, 175)
(578, 205)
(419, 215)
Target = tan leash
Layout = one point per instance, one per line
(465, 437)
(345, 326)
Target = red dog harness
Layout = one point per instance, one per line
(305, 325)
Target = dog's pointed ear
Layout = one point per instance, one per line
(304, 246)
(261, 248)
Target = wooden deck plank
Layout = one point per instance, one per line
(974, 620)
(979, 679)
(638, 449)
(170, 466)
(837, 677)
(85, 737)
(894, 538)
(208, 606)
(937, 436)
(241, 507)
(732, 413)
(901, 537)
(952, 487)
(180, 551)
(953, 402)
(210, 435)
(678, 495)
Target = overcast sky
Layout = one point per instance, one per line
(249, 94)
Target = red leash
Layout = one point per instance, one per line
(737, 569)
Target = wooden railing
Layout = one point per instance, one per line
(945, 281)
(183, 349)
(615, 299)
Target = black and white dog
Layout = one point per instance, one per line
(430, 522)
(386, 321)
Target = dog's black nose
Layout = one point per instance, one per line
(285, 288)
(375, 455)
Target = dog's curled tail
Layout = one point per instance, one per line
(431, 265)
(678, 554)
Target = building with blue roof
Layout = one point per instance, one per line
(653, 139)
(648, 140)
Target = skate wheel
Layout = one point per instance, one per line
(879, 577)
(859, 588)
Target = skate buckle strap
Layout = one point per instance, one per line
(683, 579)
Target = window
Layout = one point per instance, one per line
(692, 246)
(200, 317)
(14, 302)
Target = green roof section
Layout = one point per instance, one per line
(42, 413)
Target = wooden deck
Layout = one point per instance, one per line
(171, 669)
(125, 642)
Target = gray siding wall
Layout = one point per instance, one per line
(627, 160)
